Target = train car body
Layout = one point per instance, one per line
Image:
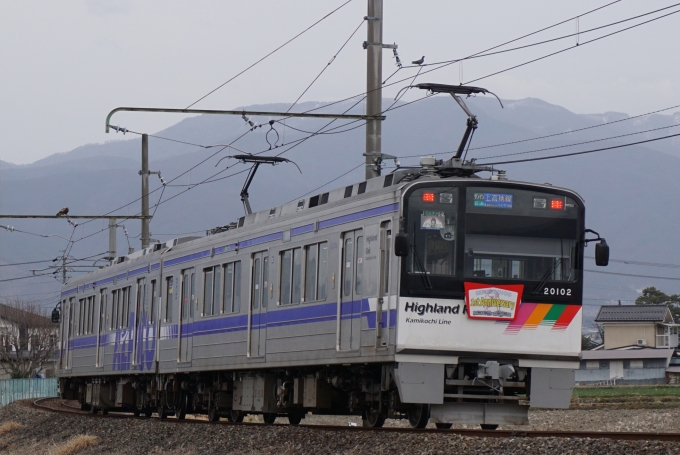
(307, 307)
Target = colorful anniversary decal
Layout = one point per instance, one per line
(493, 302)
(531, 315)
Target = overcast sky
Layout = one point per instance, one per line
(66, 64)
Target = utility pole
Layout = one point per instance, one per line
(374, 48)
(145, 190)
(63, 268)
(112, 238)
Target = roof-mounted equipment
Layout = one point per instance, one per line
(257, 160)
(454, 166)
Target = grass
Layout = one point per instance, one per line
(74, 445)
(627, 391)
(9, 426)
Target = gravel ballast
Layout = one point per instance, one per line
(44, 430)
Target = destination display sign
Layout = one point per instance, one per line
(493, 200)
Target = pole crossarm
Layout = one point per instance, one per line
(88, 217)
(241, 112)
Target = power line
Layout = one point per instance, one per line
(24, 277)
(272, 52)
(572, 47)
(580, 143)
(486, 54)
(25, 263)
(649, 264)
(327, 65)
(634, 275)
(580, 153)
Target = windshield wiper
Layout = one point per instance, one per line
(418, 262)
(546, 275)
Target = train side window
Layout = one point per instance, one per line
(91, 301)
(360, 265)
(231, 295)
(207, 291)
(237, 287)
(316, 265)
(193, 300)
(125, 313)
(265, 281)
(291, 276)
(169, 296)
(79, 327)
(152, 304)
(349, 258)
(256, 284)
(217, 289)
(311, 262)
(112, 309)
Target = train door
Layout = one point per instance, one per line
(186, 312)
(139, 322)
(103, 297)
(66, 333)
(349, 314)
(382, 314)
(71, 332)
(259, 297)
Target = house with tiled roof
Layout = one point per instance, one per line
(638, 325)
(639, 347)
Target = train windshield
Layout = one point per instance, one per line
(508, 234)
(432, 219)
(518, 234)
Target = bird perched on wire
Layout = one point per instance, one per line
(419, 62)
(63, 212)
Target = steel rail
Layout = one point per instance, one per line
(613, 435)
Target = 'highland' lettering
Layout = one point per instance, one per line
(421, 309)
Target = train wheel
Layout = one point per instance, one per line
(148, 412)
(418, 416)
(443, 426)
(236, 416)
(84, 407)
(105, 411)
(162, 413)
(486, 426)
(93, 409)
(137, 412)
(269, 417)
(213, 414)
(294, 418)
(373, 419)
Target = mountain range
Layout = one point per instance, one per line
(631, 193)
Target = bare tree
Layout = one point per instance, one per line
(28, 339)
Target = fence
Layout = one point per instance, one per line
(20, 389)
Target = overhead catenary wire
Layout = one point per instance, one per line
(572, 47)
(575, 130)
(327, 65)
(271, 53)
(441, 66)
(551, 40)
(580, 143)
(633, 275)
(564, 155)
(647, 264)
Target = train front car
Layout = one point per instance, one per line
(489, 308)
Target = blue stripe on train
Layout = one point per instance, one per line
(293, 316)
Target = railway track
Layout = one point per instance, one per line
(63, 408)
